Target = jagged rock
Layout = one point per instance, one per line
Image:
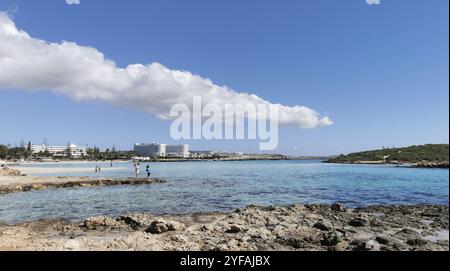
(323, 225)
(259, 233)
(416, 242)
(331, 238)
(338, 207)
(162, 226)
(386, 240)
(234, 229)
(408, 233)
(360, 221)
(100, 222)
(136, 221)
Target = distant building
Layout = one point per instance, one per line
(161, 150)
(150, 150)
(181, 150)
(202, 154)
(70, 150)
(229, 154)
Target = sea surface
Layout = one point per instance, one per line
(224, 186)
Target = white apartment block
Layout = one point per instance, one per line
(60, 151)
(161, 150)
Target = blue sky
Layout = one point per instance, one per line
(380, 72)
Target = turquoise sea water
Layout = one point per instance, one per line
(225, 186)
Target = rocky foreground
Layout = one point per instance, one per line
(296, 227)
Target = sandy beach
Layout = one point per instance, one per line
(64, 170)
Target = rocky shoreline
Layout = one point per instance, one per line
(70, 182)
(443, 164)
(295, 227)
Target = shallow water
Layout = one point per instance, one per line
(225, 186)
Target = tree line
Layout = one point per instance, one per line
(94, 153)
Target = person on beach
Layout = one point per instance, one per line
(147, 169)
(96, 169)
(136, 169)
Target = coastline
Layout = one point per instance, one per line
(168, 160)
(253, 228)
(443, 165)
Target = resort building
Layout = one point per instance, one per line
(161, 150)
(70, 150)
(181, 150)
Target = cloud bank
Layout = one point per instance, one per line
(84, 74)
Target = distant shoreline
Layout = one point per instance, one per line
(166, 160)
(437, 165)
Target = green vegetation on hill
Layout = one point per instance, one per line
(433, 153)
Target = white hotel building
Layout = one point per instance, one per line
(161, 150)
(60, 151)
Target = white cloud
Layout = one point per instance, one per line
(373, 2)
(84, 74)
(73, 2)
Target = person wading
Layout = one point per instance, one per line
(147, 169)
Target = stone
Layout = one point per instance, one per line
(417, 242)
(338, 207)
(162, 226)
(259, 233)
(331, 238)
(323, 225)
(359, 222)
(341, 246)
(385, 240)
(293, 241)
(408, 233)
(234, 229)
(136, 221)
(372, 245)
(100, 222)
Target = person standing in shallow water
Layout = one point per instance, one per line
(147, 169)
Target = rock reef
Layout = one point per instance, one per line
(295, 227)
(6, 171)
(24, 184)
(442, 164)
